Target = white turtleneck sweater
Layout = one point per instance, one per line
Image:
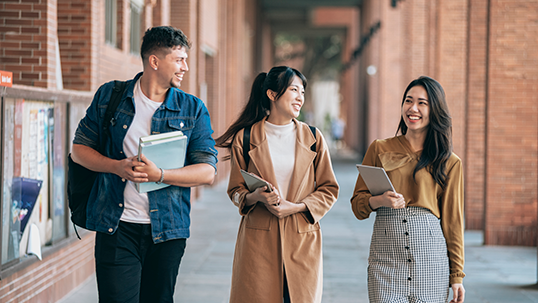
(282, 140)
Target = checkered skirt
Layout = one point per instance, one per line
(408, 257)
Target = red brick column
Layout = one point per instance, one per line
(184, 15)
(475, 148)
(512, 130)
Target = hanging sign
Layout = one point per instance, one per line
(6, 78)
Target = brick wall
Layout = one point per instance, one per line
(482, 52)
(28, 41)
(111, 62)
(53, 277)
(512, 130)
(74, 33)
(452, 62)
(28, 34)
(184, 15)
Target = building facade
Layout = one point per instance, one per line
(61, 51)
(483, 53)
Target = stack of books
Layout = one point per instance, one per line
(166, 150)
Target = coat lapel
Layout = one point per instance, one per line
(260, 155)
(304, 159)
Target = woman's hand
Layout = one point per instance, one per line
(262, 195)
(388, 199)
(459, 293)
(285, 207)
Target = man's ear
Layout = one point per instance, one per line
(271, 95)
(153, 62)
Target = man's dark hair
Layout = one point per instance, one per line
(162, 39)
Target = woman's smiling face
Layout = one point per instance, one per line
(288, 106)
(416, 109)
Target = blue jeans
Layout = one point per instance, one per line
(130, 268)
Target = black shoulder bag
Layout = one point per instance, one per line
(80, 180)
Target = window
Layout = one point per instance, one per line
(33, 175)
(111, 14)
(136, 25)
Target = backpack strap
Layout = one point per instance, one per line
(115, 100)
(313, 130)
(313, 147)
(246, 145)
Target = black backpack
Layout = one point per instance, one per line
(246, 143)
(80, 180)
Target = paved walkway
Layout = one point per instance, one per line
(495, 274)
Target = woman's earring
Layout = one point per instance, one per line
(155, 68)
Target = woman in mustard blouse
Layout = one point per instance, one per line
(416, 252)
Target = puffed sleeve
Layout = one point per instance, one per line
(237, 189)
(361, 195)
(451, 204)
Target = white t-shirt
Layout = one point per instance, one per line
(281, 140)
(136, 205)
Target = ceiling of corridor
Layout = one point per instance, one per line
(294, 15)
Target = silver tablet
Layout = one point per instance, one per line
(376, 179)
(254, 181)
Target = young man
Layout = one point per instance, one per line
(141, 238)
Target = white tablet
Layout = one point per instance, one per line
(376, 179)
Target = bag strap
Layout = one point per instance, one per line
(313, 130)
(246, 145)
(313, 147)
(115, 100)
(246, 142)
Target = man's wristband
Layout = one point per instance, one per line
(162, 176)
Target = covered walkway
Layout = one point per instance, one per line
(495, 274)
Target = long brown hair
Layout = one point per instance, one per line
(438, 143)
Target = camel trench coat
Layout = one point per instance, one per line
(266, 245)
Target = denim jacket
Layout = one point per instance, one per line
(169, 208)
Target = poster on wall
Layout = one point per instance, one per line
(24, 192)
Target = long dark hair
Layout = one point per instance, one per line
(438, 143)
(277, 80)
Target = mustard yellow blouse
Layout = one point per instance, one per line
(397, 157)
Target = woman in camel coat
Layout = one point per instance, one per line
(278, 253)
